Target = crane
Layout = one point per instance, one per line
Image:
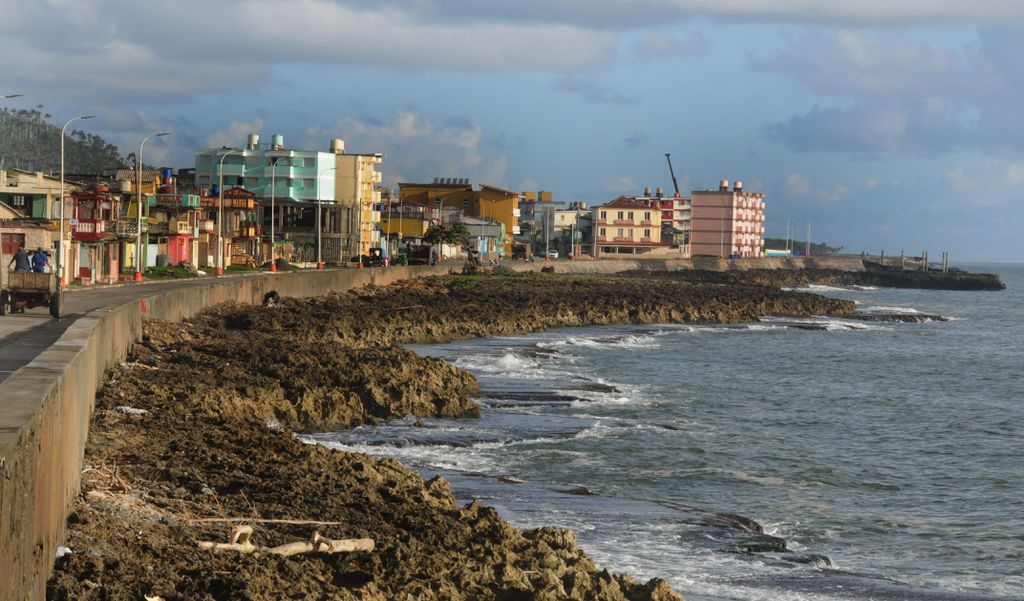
(675, 184)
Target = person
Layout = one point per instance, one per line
(40, 261)
(20, 261)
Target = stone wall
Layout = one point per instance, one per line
(45, 407)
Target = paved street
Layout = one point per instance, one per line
(25, 335)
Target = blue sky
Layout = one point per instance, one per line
(886, 125)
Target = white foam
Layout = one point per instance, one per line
(625, 341)
(885, 309)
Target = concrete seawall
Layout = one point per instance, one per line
(45, 407)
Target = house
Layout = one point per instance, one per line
(629, 226)
(727, 222)
(489, 203)
(303, 195)
(233, 217)
(99, 235)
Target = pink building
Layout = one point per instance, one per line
(727, 222)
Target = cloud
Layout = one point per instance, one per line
(415, 149)
(593, 90)
(661, 44)
(635, 140)
(235, 134)
(800, 185)
(993, 183)
(621, 185)
(903, 97)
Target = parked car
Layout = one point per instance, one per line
(552, 254)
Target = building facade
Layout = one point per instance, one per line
(628, 226)
(728, 222)
(301, 193)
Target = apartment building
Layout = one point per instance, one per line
(728, 222)
(628, 226)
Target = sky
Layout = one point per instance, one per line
(883, 125)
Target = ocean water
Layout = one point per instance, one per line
(882, 460)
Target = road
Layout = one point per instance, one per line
(23, 336)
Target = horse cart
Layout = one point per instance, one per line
(26, 290)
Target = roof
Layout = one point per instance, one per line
(497, 189)
(626, 202)
(130, 175)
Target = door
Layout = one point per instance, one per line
(12, 242)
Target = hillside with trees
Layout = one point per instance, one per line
(818, 249)
(31, 142)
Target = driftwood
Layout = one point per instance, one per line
(241, 542)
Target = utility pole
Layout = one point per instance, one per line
(807, 248)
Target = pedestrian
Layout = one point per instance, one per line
(40, 260)
(20, 261)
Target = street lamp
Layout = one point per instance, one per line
(138, 206)
(319, 260)
(219, 270)
(273, 189)
(60, 248)
(807, 249)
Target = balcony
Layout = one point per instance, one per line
(126, 228)
(185, 201)
(207, 225)
(89, 230)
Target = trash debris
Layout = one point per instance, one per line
(241, 542)
(62, 551)
(271, 299)
(126, 410)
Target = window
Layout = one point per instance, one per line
(603, 233)
(308, 162)
(604, 215)
(620, 214)
(308, 183)
(18, 200)
(465, 203)
(647, 233)
(251, 182)
(203, 180)
(253, 161)
(631, 215)
(647, 216)
(619, 234)
(203, 159)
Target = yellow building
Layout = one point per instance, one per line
(489, 203)
(628, 226)
(356, 182)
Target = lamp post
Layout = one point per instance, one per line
(138, 206)
(60, 248)
(319, 260)
(273, 188)
(807, 248)
(219, 270)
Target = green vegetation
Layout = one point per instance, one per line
(30, 142)
(455, 234)
(169, 272)
(817, 248)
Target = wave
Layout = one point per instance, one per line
(624, 341)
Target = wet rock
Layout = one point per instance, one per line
(764, 543)
(733, 521)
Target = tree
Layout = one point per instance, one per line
(456, 234)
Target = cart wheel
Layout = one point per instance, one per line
(57, 304)
(5, 302)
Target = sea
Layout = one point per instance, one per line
(816, 459)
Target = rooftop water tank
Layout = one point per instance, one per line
(254, 142)
(338, 146)
(277, 142)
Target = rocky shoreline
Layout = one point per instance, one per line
(193, 435)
